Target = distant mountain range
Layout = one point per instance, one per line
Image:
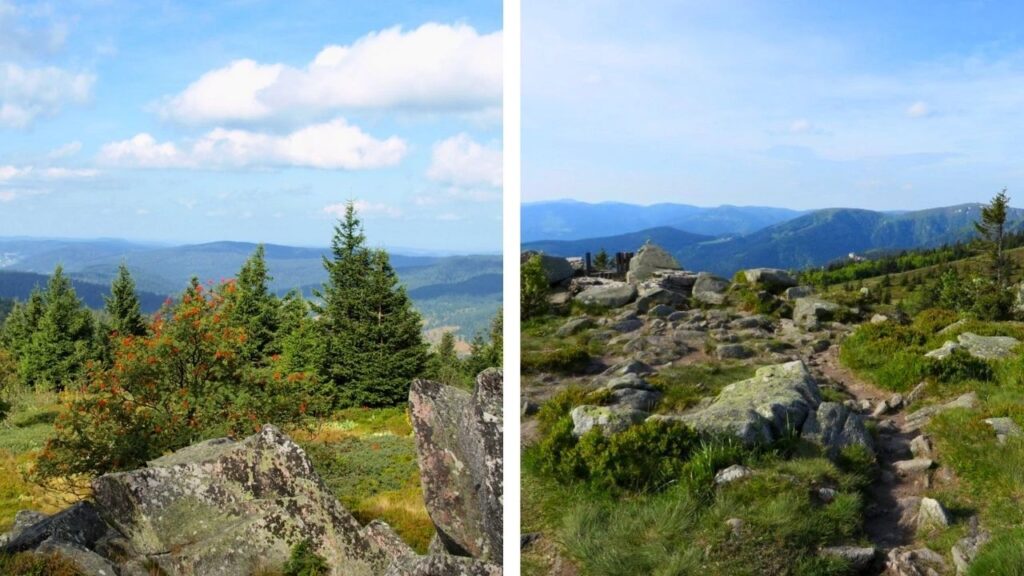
(812, 239)
(460, 291)
(573, 220)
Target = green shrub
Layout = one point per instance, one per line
(932, 320)
(305, 562)
(566, 358)
(960, 366)
(31, 564)
(562, 403)
(533, 282)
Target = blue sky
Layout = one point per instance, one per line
(801, 104)
(252, 120)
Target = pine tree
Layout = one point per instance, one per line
(255, 307)
(373, 346)
(445, 365)
(992, 228)
(123, 305)
(22, 323)
(298, 338)
(601, 260)
(61, 344)
(485, 353)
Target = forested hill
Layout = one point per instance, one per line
(813, 239)
(461, 292)
(18, 285)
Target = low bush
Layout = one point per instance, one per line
(305, 562)
(565, 358)
(959, 366)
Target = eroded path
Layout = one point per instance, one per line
(883, 512)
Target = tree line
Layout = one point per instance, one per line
(223, 358)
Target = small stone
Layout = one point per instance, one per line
(827, 495)
(858, 558)
(732, 473)
(931, 515)
(921, 447)
(879, 319)
(736, 525)
(917, 393)
(914, 467)
(733, 351)
(1004, 428)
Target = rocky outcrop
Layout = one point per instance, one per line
(556, 269)
(809, 313)
(797, 292)
(710, 289)
(984, 347)
(759, 409)
(770, 278)
(916, 420)
(910, 561)
(649, 259)
(608, 419)
(608, 294)
(459, 440)
(835, 427)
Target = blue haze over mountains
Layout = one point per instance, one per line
(456, 290)
(728, 238)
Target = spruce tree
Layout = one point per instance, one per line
(373, 346)
(992, 228)
(22, 323)
(61, 344)
(601, 260)
(123, 305)
(445, 365)
(255, 307)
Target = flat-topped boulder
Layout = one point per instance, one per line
(710, 289)
(609, 294)
(984, 347)
(649, 259)
(761, 408)
(772, 278)
(556, 268)
(810, 312)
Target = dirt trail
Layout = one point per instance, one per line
(882, 522)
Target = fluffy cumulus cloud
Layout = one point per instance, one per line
(331, 145)
(30, 93)
(433, 67)
(461, 161)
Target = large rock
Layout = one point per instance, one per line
(759, 409)
(835, 427)
(651, 297)
(710, 289)
(649, 259)
(608, 295)
(224, 508)
(919, 418)
(808, 313)
(608, 419)
(797, 292)
(459, 440)
(984, 347)
(771, 278)
(556, 269)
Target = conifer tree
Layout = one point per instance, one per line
(123, 305)
(445, 365)
(373, 346)
(255, 307)
(601, 260)
(533, 283)
(22, 323)
(992, 228)
(60, 345)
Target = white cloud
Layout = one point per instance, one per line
(461, 161)
(21, 173)
(918, 109)
(331, 145)
(30, 93)
(69, 149)
(434, 67)
(364, 208)
(29, 31)
(225, 94)
(800, 126)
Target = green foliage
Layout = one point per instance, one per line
(567, 358)
(123, 306)
(56, 336)
(644, 457)
(356, 468)
(373, 346)
(992, 230)
(932, 320)
(849, 271)
(32, 564)
(306, 562)
(6, 305)
(533, 285)
(487, 353)
(601, 260)
(683, 386)
(960, 366)
(188, 379)
(1003, 556)
(255, 308)
(445, 366)
(889, 354)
